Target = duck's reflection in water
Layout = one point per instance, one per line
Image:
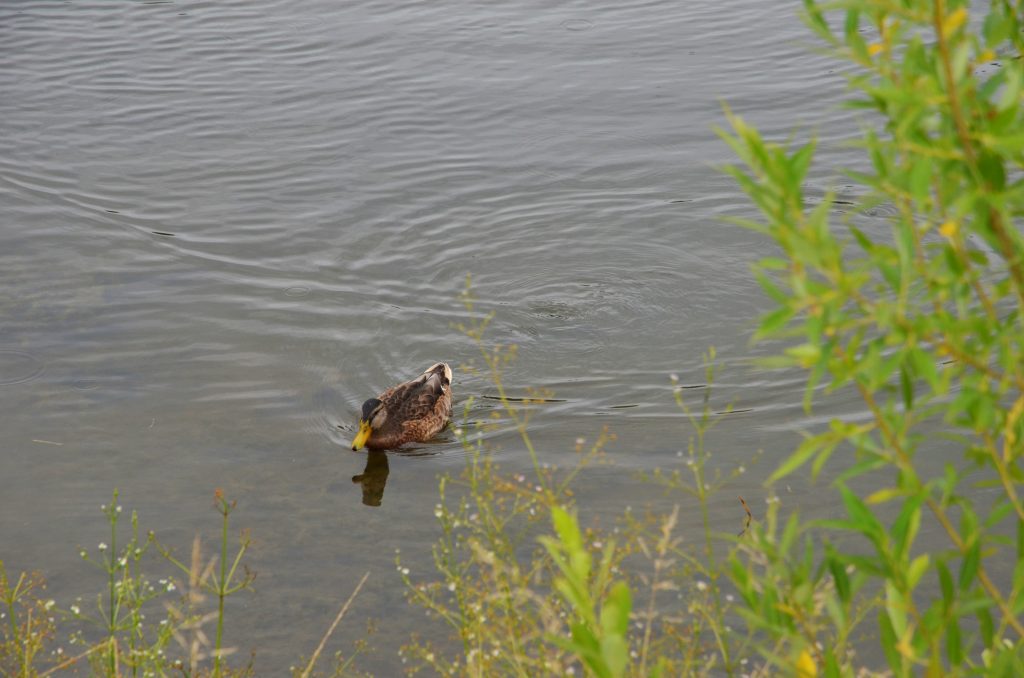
(374, 477)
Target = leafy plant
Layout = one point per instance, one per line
(27, 623)
(926, 324)
(568, 606)
(220, 577)
(128, 643)
(599, 635)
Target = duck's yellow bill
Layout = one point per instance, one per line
(362, 436)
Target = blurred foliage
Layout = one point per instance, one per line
(925, 323)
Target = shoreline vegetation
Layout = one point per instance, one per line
(924, 322)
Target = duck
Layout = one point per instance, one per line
(411, 412)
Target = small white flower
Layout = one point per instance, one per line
(49, 604)
(118, 508)
(451, 586)
(429, 657)
(729, 597)
(458, 433)
(102, 546)
(170, 586)
(76, 610)
(702, 585)
(581, 440)
(405, 571)
(103, 507)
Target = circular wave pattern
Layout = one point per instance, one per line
(18, 367)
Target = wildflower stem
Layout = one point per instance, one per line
(337, 620)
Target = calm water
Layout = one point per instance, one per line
(224, 225)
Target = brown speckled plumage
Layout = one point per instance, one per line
(417, 410)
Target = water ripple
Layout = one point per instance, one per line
(18, 367)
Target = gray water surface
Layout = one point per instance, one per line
(224, 225)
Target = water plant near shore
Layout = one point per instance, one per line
(117, 638)
(529, 589)
(924, 322)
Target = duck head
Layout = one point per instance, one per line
(372, 419)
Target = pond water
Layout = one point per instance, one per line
(224, 225)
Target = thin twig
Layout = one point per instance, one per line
(71, 660)
(341, 613)
(750, 518)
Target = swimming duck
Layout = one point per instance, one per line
(415, 411)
